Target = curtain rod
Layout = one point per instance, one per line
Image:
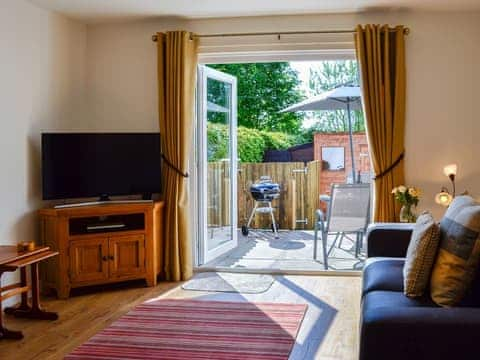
(406, 31)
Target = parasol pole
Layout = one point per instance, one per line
(351, 139)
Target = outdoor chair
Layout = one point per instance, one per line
(364, 177)
(347, 215)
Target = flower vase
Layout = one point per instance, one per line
(406, 214)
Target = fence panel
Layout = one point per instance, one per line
(299, 184)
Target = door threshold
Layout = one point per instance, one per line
(353, 273)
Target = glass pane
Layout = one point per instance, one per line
(333, 158)
(219, 172)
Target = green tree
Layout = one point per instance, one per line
(326, 76)
(264, 89)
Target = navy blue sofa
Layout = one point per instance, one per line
(394, 326)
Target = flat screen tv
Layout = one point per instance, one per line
(81, 165)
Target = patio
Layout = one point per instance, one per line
(293, 250)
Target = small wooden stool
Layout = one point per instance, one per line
(11, 260)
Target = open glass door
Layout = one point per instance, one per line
(217, 119)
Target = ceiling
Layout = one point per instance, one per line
(92, 11)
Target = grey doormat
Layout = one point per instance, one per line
(230, 282)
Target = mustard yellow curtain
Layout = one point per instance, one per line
(177, 63)
(381, 58)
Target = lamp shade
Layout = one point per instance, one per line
(450, 170)
(443, 198)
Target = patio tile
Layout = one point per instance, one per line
(293, 250)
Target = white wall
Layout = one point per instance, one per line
(442, 63)
(42, 87)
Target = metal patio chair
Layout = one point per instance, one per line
(348, 214)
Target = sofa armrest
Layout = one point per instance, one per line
(420, 333)
(388, 239)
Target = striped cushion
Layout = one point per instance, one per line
(459, 252)
(420, 255)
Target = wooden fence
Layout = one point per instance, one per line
(294, 209)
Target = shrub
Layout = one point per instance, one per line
(252, 143)
(277, 140)
(217, 142)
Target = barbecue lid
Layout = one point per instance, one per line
(262, 187)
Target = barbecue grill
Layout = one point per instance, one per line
(263, 193)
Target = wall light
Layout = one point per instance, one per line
(444, 197)
(450, 171)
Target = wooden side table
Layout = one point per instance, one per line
(11, 260)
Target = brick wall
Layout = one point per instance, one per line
(362, 157)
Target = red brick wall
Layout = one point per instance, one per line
(362, 157)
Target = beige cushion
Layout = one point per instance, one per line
(420, 255)
(459, 252)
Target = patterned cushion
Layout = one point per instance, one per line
(420, 255)
(459, 252)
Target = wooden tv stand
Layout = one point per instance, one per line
(102, 244)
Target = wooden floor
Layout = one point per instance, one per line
(329, 330)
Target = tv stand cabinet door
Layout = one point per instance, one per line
(127, 256)
(89, 260)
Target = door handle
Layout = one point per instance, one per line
(111, 257)
(104, 258)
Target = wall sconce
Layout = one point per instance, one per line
(444, 197)
(451, 171)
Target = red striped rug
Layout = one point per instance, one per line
(193, 329)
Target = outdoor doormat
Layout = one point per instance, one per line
(193, 329)
(230, 282)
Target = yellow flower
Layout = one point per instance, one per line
(402, 189)
(394, 190)
(414, 192)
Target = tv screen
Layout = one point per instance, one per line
(78, 165)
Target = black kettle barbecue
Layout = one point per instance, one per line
(263, 193)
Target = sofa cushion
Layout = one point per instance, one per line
(395, 327)
(383, 274)
(387, 319)
(459, 252)
(376, 300)
(420, 255)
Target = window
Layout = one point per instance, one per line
(333, 158)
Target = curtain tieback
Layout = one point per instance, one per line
(391, 167)
(172, 166)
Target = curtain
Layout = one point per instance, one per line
(380, 53)
(177, 64)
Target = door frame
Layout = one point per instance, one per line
(263, 53)
(203, 255)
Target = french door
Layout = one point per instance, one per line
(217, 166)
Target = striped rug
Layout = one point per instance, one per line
(192, 329)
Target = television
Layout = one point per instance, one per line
(83, 165)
